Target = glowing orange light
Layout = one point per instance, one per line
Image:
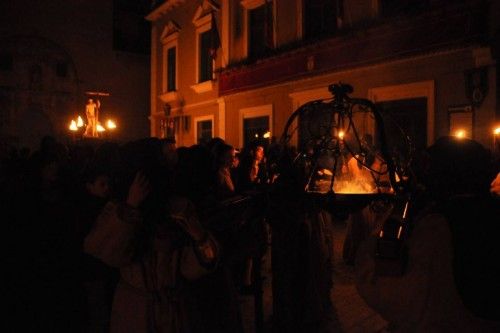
(110, 124)
(79, 122)
(496, 131)
(460, 134)
(267, 135)
(341, 135)
(72, 126)
(100, 128)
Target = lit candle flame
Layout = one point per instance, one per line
(79, 122)
(267, 135)
(496, 131)
(100, 128)
(110, 124)
(72, 126)
(341, 135)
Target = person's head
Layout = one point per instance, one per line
(236, 159)
(169, 151)
(169, 144)
(225, 155)
(145, 156)
(48, 144)
(258, 153)
(90, 101)
(213, 146)
(49, 171)
(193, 174)
(99, 186)
(367, 143)
(455, 166)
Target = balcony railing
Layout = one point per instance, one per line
(444, 28)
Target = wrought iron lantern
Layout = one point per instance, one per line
(343, 149)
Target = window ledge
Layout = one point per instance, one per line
(252, 4)
(170, 96)
(203, 86)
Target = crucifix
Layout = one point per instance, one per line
(92, 112)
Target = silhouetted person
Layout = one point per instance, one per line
(450, 283)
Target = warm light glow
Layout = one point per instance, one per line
(496, 131)
(256, 135)
(354, 186)
(100, 128)
(72, 126)
(341, 135)
(267, 135)
(79, 122)
(110, 124)
(460, 134)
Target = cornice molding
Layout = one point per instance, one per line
(252, 4)
(203, 13)
(164, 8)
(170, 32)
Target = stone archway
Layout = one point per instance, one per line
(42, 85)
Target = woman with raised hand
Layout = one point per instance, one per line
(157, 242)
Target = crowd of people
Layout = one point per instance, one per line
(149, 237)
(137, 237)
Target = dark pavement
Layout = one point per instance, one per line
(351, 312)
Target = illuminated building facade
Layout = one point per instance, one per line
(431, 65)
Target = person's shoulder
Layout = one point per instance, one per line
(431, 226)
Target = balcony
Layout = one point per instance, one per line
(445, 28)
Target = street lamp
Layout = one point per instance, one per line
(460, 133)
(496, 135)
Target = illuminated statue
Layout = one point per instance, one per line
(92, 112)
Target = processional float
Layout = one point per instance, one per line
(347, 162)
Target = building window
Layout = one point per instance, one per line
(169, 39)
(389, 8)
(254, 129)
(207, 44)
(61, 69)
(5, 107)
(320, 18)
(204, 129)
(205, 59)
(171, 68)
(408, 116)
(412, 106)
(255, 124)
(260, 31)
(6, 62)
